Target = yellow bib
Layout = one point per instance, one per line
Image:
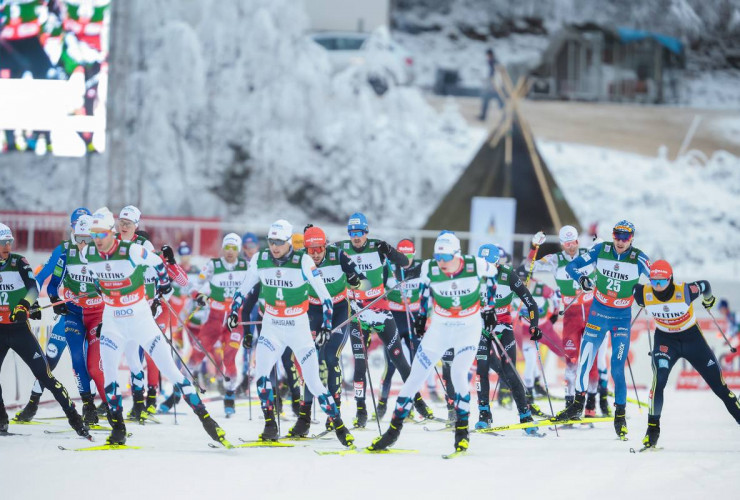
(674, 314)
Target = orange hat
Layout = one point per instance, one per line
(661, 270)
(297, 241)
(314, 237)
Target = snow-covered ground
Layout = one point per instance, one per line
(700, 459)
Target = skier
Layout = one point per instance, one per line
(285, 276)
(677, 335)
(576, 304)
(19, 291)
(618, 267)
(497, 320)
(57, 342)
(453, 283)
(370, 256)
(216, 285)
(119, 267)
(337, 272)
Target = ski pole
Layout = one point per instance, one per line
(249, 323)
(195, 381)
(732, 349)
(575, 299)
(356, 314)
(629, 365)
(367, 364)
(197, 341)
(70, 299)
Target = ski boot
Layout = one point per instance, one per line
(295, 405)
(343, 433)
(568, 401)
(461, 435)
(118, 432)
(533, 407)
(424, 410)
(653, 432)
(170, 402)
(229, 401)
(538, 389)
(573, 410)
(151, 400)
(270, 433)
(525, 418)
(484, 417)
(29, 411)
(329, 425)
(211, 427)
(3, 419)
(220, 387)
(504, 397)
(361, 416)
(620, 421)
(382, 408)
(590, 405)
(75, 421)
(102, 408)
(451, 413)
(138, 410)
(244, 385)
(389, 437)
(303, 425)
(89, 412)
(604, 403)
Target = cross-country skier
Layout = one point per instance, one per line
(18, 290)
(618, 267)
(677, 335)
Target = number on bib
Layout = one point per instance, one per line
(279, 294)
(613, 285)
(3, 299)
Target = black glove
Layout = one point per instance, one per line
(535, 333)
(354, 281)
(322, 336)
(232, 321)
(156, 306)
(168, 254)
(165, 290)
(20, 313)
(708, 303)
(586, 283)
(98, 328)
(384, 248)
(247, 340)
(420, 324)
(554, 318)
(201, 300)
(35, 311)
(60, 309)
(489, 322)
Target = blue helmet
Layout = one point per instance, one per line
(490, 252)
(624, 228)
(76, 215)
(357, 222)
(184, 249)
(250, 238)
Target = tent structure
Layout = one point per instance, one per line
(507, 165)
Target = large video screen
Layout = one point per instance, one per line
(53, 76)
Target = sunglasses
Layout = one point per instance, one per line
(445, 257)
(99, 236)
(7, 241)
(83, 239)
(231, 247)
(659, 283)
(356, 233)
(125, 223)
(622, 236)
(275, 242)
(315, 250)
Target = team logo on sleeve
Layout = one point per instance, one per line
(469, 268)
(72, 252)
(296, 259)
(122, 251)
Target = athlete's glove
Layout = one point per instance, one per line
(538, 239)
(168, 254)
(384, 248)
(98, 329)
(354, 281)
(554, 318)
(232, 321)
(535, 333)
(322, 336)
(489, 322)
(586, 283)
(708, 303)
(35, 311)
(156, 307)
(165, 290)
(247, 340)
(20, 313)
(201, 299)
(420, 324)
(60, 309)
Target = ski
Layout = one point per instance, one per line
(143, 421)
(258, 443)
(646, 448)
(633, 401)
(541, 423)
(20, 422)
(6, 433)
(101, 428)
(454, 454)
(103, 447)
(363, 451)
(445, 428)
(224, 444)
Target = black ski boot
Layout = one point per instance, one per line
(591, 405)
(171, 401)
(604, 403)
(303, 425)
(102, 408)
(422, 408)
(461, 435)
(118, 432)
(89, 412)
(620, 421)
(382, 408)
(389, 437)
(573, 410)
(211, 427)
(343, 433)
(151, 400)
(138, 409)
(533, 407)
(653, 432)
(271, 429)
(29, 411)
(361, 416)
(3, 419)
(75, 421)
(295, 405)
(484, 417)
